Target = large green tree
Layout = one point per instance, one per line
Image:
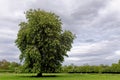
(42, 42)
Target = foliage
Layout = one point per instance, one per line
(6, 66)
(114, 68)
(42, 42)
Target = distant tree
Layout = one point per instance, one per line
(119, 62)
(4, 64)
(13, 66)
(42, 42)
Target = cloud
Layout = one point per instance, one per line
(94, 53)
(88, 10)
(117, 52)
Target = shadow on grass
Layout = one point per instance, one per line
(44, 76)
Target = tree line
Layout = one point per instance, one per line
(114, 68)
(6, 66)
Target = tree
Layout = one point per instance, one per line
(13, 66)
(4, 64)
(42, 42)
(118, 62)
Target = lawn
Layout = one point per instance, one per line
(60, 76)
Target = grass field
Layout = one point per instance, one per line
(60, 76)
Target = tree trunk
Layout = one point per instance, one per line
(39, 74)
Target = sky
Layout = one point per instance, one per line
(96, 24)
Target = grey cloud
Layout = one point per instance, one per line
(89, 10)
(9, 51)
(9, 19)
(98, 54)
(94, 60)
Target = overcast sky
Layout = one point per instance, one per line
(96, 24)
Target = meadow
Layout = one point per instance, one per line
(59, 76)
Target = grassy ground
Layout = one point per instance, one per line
(62, 76)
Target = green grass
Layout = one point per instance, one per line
(60, 76)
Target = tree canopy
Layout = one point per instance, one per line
(42, 42)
